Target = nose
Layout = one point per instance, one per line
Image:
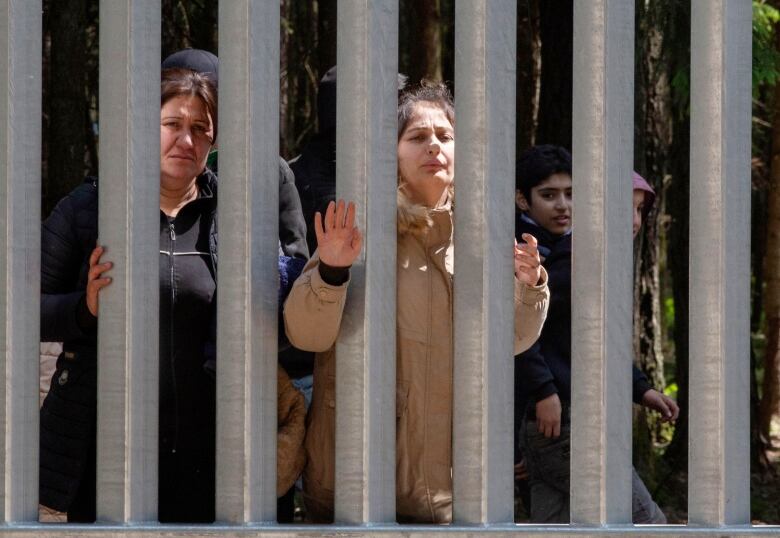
(185, 138)
(433, 147)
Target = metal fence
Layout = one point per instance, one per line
(719, 499)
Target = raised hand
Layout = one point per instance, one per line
(338, 239)
(527, 262)
(96, 282)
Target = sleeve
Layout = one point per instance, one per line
(530, 312)
(62, 303)
(292, 226)
(536, 379)
(313, 310)
(640, 385)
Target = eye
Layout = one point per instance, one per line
(447, 137)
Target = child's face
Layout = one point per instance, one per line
(639, 207)
(550, 204)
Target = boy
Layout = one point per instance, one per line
(543, 196)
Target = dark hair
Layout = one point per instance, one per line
(435, 93)
(177, 81)
(537, 164)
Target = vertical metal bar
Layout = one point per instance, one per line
(366, 172)
(485, 45)
(603, 121)
(718, 450)
(248, 275)
(128, 223)
(20, 254)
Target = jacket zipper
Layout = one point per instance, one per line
(172, 234)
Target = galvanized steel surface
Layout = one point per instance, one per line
(483, 381)
(20, 255)
(719, 449)
(128, 223)
(603, 122)
(366, 173)
(247, 302)
(388, 531)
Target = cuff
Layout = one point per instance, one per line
(545, 390)
(640, 387)
(84, 318)
(532, 295)
(333, 276)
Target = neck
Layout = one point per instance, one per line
(172, 200)
(433, 198)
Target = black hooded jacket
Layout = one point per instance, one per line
(545, 368)
(187, 392)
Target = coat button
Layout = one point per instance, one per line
(63, 377)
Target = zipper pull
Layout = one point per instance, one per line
(172, 231)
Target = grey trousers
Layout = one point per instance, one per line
(547, 461)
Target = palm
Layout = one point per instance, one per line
(338, 239)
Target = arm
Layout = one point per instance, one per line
(292, 226)
(63, 305)
(313, 310)
(530, 312)
(640, 385)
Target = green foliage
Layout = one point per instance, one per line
(766, 58)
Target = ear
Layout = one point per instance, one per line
(520, 201)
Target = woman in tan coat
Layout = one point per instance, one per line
(424, 316)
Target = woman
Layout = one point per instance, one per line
(424, 316)
(73, 273)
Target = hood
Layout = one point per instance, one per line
(415, 219)
(642, 185)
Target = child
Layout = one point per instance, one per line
(544, 188)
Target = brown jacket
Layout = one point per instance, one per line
(291, 413)
(424, 366)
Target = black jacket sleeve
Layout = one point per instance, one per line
(62, 300)
(537, 381)
(640, 385)
(292, 226)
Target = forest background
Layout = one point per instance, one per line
(544, 103)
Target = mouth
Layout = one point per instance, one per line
(562, 220)
(182, 157)
(433, 166)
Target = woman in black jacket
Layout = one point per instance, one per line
(73, 273)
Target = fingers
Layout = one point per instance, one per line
(330, 216)
(556, 429)
(100, 283)
(666, 413)
(350, 216)
(357, 241)
(318, 231)
(340, 213)
(96, 270)
(95, 256)
(674, 409)
(530, 240)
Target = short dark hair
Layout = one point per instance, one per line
(435, 93)
(177, 81)
(537, 164)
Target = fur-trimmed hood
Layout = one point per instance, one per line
(415, 219)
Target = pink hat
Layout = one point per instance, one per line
(642, 185)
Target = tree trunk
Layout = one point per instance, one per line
(556, 24)
(528, 72)
(421, 39)
(66, 105)
(677, 200)
(770, 400)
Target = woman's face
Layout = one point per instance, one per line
(639, 209)
(186, 134)
(426, 155)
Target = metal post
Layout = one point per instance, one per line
(248, 274)
(366, 174)
(719, 450)
(485, 45)
(20, 255)
(603, 122)
(128, 359)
